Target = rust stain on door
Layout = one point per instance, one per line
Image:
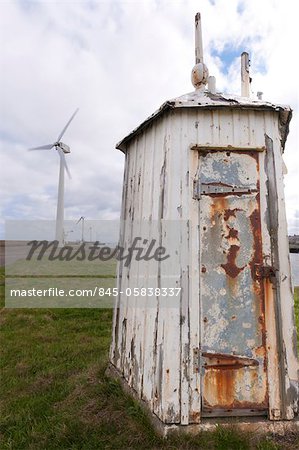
(232, 297)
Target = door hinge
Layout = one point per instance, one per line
(196, 190)
(196, 360)
(218, 188)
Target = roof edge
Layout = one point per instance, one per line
(121, 145)
(207, 100)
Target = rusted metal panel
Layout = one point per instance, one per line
(231, 292)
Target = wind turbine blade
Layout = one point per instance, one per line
(65, 128)
(64, 161)
(42, 147)
(78, 220)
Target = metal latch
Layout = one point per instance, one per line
(264, 271)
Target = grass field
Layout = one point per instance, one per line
(55, 395)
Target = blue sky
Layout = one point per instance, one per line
(228, 55)
(117, 62)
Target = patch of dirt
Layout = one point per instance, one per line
(48, 317)
(288, 441)
(85, 339)
(83, 381)
(41, 383)
(77, 393)
(22, 368)
(26, 317)
(94, 413)
(47, 339)
(2, 319)
(91, 375)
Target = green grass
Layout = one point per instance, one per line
(55, 394)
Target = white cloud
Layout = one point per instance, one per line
(118, 61)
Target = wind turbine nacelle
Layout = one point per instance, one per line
(65, 148)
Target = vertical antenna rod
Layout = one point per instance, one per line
(200, 73)
(245, 77)
(198, 40)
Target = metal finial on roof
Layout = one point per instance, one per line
(200, 73)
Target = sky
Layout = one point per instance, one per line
(118, 62)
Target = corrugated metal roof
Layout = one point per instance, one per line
(205, 99)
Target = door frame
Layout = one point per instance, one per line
(274, 348)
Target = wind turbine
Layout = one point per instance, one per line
(62, 149)
(81, 218)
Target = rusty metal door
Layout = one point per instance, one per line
(233, 358)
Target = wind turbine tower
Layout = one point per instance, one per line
(82, 218)
(62, 150)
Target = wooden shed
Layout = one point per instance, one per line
(204, 179)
